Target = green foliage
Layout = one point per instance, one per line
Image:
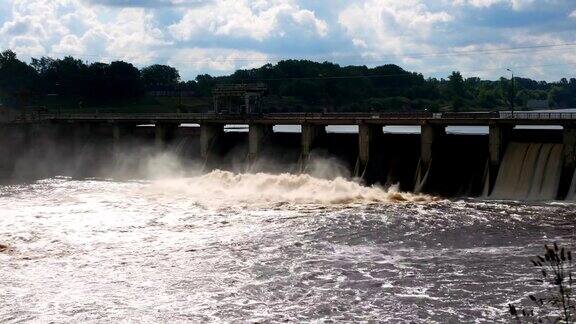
(487, 98)
(72, 82)
(507, 91)
(457, 91)
(389, 104)
(561, 96)
(160, 76)
(294, 85)
(555, 269)
(18, 80)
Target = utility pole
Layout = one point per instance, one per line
(513, 94)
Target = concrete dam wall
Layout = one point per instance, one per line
(532, 165)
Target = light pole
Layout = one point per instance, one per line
(513, 94)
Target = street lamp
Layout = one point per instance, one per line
(513, 95)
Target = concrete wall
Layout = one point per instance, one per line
(433, 161)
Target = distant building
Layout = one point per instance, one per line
(534, 104)
(238, 98)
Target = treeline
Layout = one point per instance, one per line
(294, 85)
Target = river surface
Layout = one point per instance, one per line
(261, 248)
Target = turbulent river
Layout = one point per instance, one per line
(227, 247)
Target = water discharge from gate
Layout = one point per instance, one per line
(529, 171)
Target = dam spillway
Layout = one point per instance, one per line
(504, 164)
(529, 171)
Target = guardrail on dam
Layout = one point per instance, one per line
(313, 125)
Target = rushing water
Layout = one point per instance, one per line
(229, 247)
(530, 171)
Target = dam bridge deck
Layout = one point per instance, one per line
(419, 118)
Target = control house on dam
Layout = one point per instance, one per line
(505, 160)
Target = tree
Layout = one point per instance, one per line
(98, 81)
(69, 76)
(508, 92)
(457, 90)
(124, 80)
(18, 81)
(160, 77)
(293, 85)
(487, 99)
(560, 97)
(205, 83)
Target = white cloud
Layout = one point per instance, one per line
(391, 27)
(133, 34)
(515, 4)
(216, 60)
(148, 3)
(479, 3)
(258, 20)
(490, 60)
(70, 44)
(73, 27)
(26, 44)
(205, 34)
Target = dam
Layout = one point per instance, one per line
(507, 163)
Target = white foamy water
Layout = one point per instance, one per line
(221, 188)
(227, 247)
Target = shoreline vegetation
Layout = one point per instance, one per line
(70, 84)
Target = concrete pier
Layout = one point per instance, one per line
(258, 135)
(41, 138)
(81, 133)
(9, 146)
(210, 134)
(310, 135)
(430, 135)
(568, 160)
(164, 133)
(368, 137)
(28, 132)
(120, 134)
(569, 152)
(498, 139)
(15, 142)
(117, 134)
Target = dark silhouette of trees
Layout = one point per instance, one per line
(125, 81)
(204, 85)
(70, 81)
(18, 81)
(294, 85)
(160, 77)
(457, 90)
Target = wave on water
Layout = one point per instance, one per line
(224, 187)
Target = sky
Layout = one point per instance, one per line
(533, 38)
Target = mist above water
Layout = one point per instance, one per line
(326, 181)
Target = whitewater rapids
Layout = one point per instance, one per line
(228, 247)
(260, 189)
